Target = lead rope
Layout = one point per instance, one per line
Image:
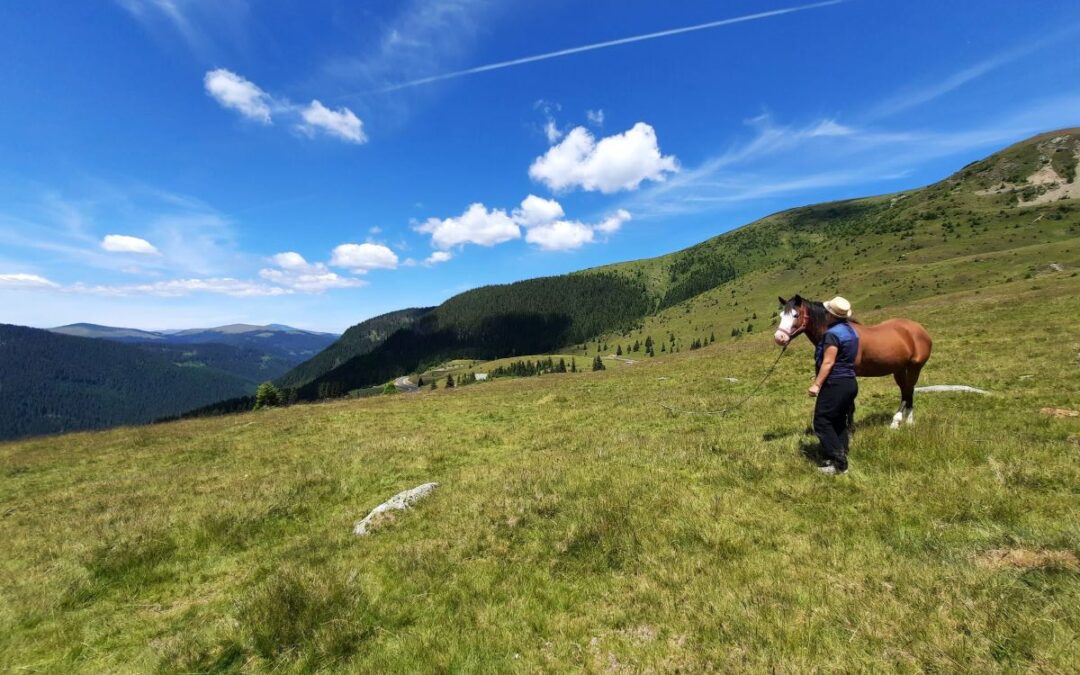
(724, 411)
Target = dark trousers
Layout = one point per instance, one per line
(833, 413)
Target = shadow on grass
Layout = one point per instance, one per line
(872, 420)
(811, 450)
(777, 434)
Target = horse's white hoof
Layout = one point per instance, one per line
(910, 421)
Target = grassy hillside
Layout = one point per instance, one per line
(880, 251)
(984, 224)
(579, 525)
(52, 383)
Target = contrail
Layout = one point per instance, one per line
(609, 43)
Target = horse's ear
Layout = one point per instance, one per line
(782, 300)
(797, 299)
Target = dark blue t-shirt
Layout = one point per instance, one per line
(846, 340)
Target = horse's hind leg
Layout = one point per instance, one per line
(912, 377)
(901, 381)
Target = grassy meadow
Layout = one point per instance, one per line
(578, 525)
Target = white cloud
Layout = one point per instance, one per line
(239, 94)
(914, 97)
(566, 235)
(612, 223)
(314, 279)
(829, 128)
(244, 96)
(552, 131)
(341, 123)
(438, 257)
(476, 226)
(595, 117)
(180, 287)
(19, 280)
(537, 211)
(562, 235)
(290, 260)
(618, 162)
(551, 128)
(360, 258)
(122, 243)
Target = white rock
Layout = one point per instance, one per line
(399, 502)
(950, 387)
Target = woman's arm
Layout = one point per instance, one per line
(828, 359)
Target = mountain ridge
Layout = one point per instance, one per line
(86, 329)
(923, 219)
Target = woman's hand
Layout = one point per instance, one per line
(813, 390)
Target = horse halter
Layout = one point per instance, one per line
(798, 330)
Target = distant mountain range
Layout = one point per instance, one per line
(86, 376)
(293, 345)
(51, 383)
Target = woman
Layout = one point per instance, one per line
(835, 386)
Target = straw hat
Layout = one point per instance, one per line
(838, 307)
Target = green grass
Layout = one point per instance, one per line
(879, 272)
(580, 526)
(464, 366)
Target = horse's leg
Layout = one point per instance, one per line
(901, 378)
(909, 393)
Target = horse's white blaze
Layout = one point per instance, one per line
(787, 324)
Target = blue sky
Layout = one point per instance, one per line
(176, 163)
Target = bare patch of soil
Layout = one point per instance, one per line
(1026, 559)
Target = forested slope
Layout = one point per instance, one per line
(526, 317)
(51, 383)
(357, 340)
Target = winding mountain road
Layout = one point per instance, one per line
(405, 385)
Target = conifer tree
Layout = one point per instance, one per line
(267, 396)
(573, 365)
(597, 363)
(449, 381)
(618, 351)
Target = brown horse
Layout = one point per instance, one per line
(896, 347)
